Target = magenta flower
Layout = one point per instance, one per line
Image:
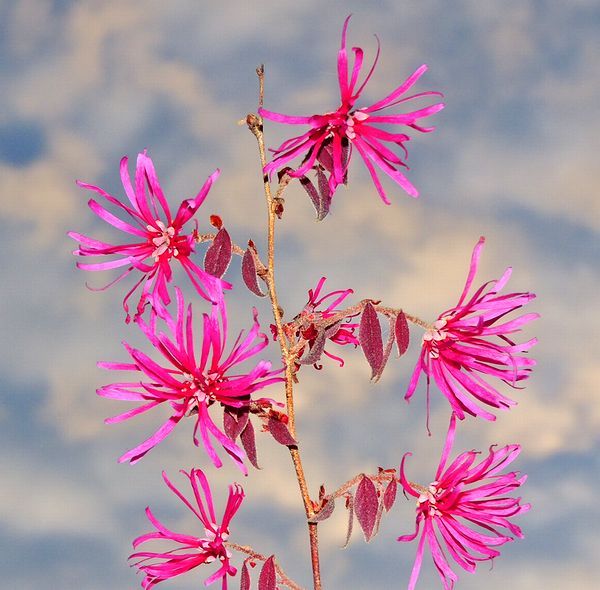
(467, 342)
(465, 494)
(191, 386)
(161, 238)
(331, 136)
(190, 551)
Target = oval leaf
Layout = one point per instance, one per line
(268, 579)
(310, 189)
(402, 333)
(386, 353)
(245, 578)
(371, 342)
(325, 512)
(324, 194)
(249, 273)
(366, 504)
(280, 432)
(389, 496)
(249, 443)
(234, 422)
(218, 255)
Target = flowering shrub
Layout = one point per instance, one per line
(465, 514)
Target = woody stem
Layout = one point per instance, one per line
(255, 124)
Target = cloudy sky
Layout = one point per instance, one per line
(512, 158)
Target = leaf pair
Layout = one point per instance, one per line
(218, 258)
(368, 505)
(267, 579)
(371, 339)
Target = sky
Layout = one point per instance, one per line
(512, 158)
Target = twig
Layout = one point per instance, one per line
(255, 124)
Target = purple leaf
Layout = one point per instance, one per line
(324, 194)
(369, 334)
(249, 273)
(234, 422)
(280, 432)
(249, 444)
(378, 519)
(325, 156)
(245, 577)
(389, 496)
(316, 350)
(325, 512)
(218, 255)
(310, 189)
(402, 333)
(366, 504)
(350, 507)
(386, 353)
(268, 579)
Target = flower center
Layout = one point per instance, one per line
(433, 335)
(428, 498)
(199, 390)
(162, 240)
(352, 118)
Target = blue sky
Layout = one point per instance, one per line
(513, 158)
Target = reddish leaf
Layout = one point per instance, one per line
(402, 333)
(249, 273)
(324, 195)
(234, 422)
(325, 512)
(245, 578)
(316, 350)
(386, 353)
(389, 496)
(325, 156)
(280, 432)
(369, 334)
(310, 189)
(218, 255)
(249, 444)
(268, 579)
(377, 519)
(216, 221)
(350, 508)
(366, 504)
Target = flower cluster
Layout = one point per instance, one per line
(465, 493)
(190, 551)
(465, 514)
(189, 385)
(468, 342)
(161, 238)
(329, 142)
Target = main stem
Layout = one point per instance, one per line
(255, 124)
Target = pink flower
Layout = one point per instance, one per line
(331, 136)
(190, 551)
(188, 385)
(161, 237)
(465, 494)
(467, 342)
